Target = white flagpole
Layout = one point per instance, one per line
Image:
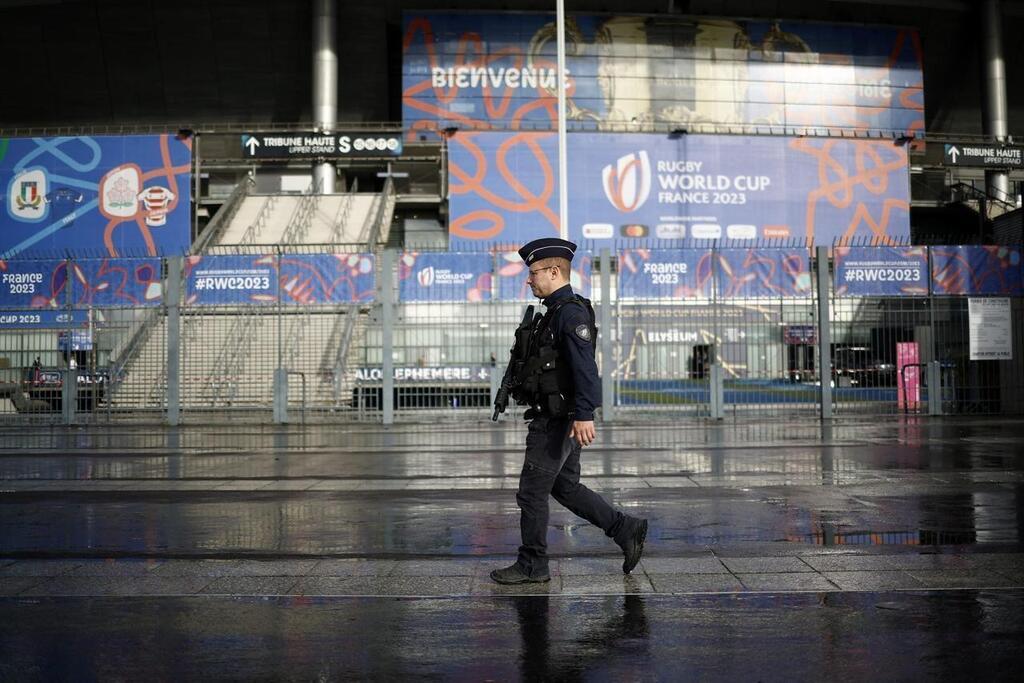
(563, 189)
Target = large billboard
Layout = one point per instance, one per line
(112, 196)
(504, 188)
(498, 71)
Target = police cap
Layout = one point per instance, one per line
(547, 247)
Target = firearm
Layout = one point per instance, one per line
(517, 356)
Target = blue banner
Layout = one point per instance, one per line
(881, 271)
(43, 318)
(476, 70)
(512, 273)
(117, 282)
(444, 277)
(977, 270)
(79, 195)
(692, 187)
(764, 273)
(665, 273)
(230, 279)
(299, 279)
(34, 283)
(308, 279)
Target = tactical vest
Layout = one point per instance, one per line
(545, 380)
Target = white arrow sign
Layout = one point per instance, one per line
(252, 143)
(953, 153)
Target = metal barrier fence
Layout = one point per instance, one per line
(324, 332)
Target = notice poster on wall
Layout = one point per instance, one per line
(991, 334)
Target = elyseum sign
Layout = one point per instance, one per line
(698, 187)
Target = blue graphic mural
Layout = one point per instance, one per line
(117, 196)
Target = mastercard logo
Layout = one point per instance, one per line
(634, 230)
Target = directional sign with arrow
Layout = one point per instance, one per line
(319, 145)
(984, 155)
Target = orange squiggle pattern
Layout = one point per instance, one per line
(168, 171)
(838, 187)
(527, 201)
(485, 224)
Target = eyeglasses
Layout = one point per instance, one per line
(533, 273)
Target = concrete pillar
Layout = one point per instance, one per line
(997, 183)
(325, 84)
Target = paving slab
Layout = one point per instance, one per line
(115, 567)
(39, 567)
(250, 585)
(575, 566)
(352, 567)
(13, 585)
(437, 568)
(797, 581)
(707, 564)
(978, 578)
(851, 562)
(873, 580)
(606, 584)
(695, 583)
(764, 565)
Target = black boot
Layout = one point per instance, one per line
(514, 574)
(631, 540)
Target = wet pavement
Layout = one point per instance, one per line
(776, 551)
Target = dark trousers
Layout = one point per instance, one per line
(552, 467)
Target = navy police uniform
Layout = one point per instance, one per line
(559, 382)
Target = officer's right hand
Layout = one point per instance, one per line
(583, 432)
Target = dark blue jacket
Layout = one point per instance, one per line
(574, 344)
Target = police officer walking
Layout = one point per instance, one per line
(558, 380)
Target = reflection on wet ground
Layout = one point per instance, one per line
(837, 636)
(359, 551)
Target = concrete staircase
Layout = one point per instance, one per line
(229, 353)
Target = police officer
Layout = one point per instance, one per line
(560, 383)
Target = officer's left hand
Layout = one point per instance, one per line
(583, 432)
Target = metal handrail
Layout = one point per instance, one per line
(969, 191)
(375, 228)
(223, 217)
(301, 219)
(300, 322)
(256, 227)
(224, 374)
(341, 218)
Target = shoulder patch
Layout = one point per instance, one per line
(583, 332)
